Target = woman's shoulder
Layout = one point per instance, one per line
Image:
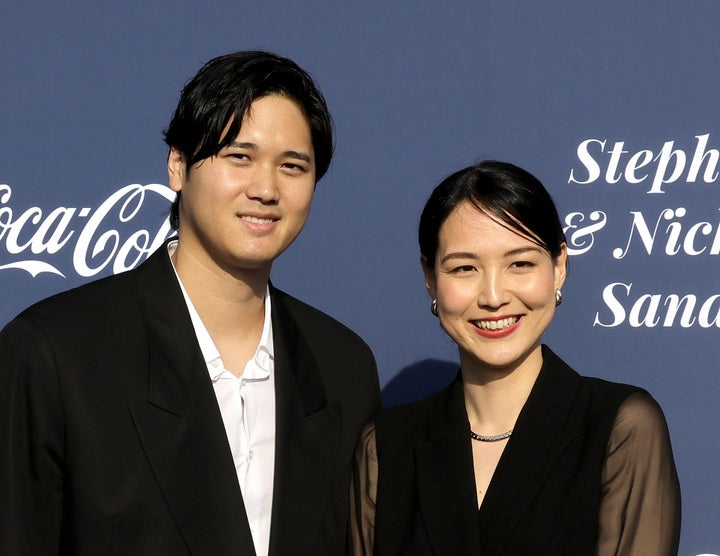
(625, 405)
(639, 417)
(410, 412)
(636, 416)
(410, 421)
(602, 388)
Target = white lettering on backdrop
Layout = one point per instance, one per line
(95, 235)
(671, 232)
(666, 166)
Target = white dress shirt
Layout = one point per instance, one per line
(247, 405)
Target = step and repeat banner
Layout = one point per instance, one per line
(613, 105)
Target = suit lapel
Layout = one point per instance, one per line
(446, 485)
(540, 438)
(180, 425)
(306, 440)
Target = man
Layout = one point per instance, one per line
(188, 406)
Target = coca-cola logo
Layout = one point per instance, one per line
(99, 238)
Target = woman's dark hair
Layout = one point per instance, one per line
(503, 191)
(213, 104)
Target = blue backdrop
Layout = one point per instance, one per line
(613, 105)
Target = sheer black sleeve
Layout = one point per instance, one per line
(363, 493)
(640, 505)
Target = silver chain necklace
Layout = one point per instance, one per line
(496, 438)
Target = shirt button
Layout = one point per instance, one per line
(243, 382)
(214, 362)
(250, 455)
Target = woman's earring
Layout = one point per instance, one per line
(433, 307)
(558, 297)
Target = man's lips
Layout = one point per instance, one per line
(258, 219)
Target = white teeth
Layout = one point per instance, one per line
(496, 324)
(257, 220)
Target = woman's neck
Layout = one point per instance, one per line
(495, 397)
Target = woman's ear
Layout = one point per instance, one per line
(560, 267)
(429, 272)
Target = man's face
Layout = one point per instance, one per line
(244, 206)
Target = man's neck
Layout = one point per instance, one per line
(228, 301)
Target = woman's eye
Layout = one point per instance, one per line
(463, 268)
(522, 264)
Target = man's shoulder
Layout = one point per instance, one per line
(312, 321)
(86, 304)
(101, 297)
(90, 292)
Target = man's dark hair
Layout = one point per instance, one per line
(213, 104)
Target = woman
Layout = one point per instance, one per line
(520, 455)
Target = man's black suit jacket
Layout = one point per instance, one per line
(111, 440)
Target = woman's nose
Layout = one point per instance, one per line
(492, 292)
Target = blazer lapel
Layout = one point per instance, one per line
(446, 484)
(539, 440)
(306, 438)
(180, 425)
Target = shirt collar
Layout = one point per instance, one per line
(260, 366)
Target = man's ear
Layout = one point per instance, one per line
(176, 169)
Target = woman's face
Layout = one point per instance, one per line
(495, 290)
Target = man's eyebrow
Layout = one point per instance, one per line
(300, 156)
(291, 154)
(241, 145)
